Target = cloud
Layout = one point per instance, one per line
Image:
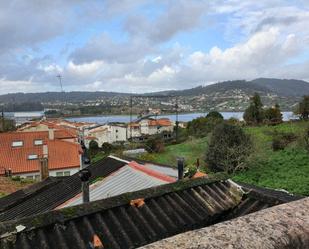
(180, 17)
(143, 46)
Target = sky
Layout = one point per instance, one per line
(152, 45)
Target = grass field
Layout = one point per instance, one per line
(285, 169)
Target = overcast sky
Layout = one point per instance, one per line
(143, 46)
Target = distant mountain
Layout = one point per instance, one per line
(292, 89)
(56, 96)
(282, 88)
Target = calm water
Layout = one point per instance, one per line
(181, 117)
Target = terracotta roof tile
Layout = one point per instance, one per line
(16, 158)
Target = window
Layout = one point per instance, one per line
(29, 177)
(33, 157)
(60, 173)
(17, 143)
(38, 142)
(116, 130)
(66, 173)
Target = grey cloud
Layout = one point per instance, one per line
(179, 16)
(270, 21)
(104, 48)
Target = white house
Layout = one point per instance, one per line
(108, 133)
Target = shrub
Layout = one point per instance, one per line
(93, 148)
(273, 115)
(155, 144)
(228, 149)
(107, 147)
(201, 126)
(303, 108)
(306, 139)
(281, 140)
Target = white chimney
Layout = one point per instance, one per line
(51, 134)
(45, 151)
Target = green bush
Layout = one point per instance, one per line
(107, 147)
(202, 126)
(228, 149)
(155, 144)
(281, 140)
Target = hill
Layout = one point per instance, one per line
(264, 86)
(223, 96)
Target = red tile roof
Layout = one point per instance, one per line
(61, 154)
(199, 174)
(160, 122)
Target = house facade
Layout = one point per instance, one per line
(108, 133)
(149, 127)
(26, 154)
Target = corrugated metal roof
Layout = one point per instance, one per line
(165, 170)
(117, 222)
(56, 194)
(126, 179)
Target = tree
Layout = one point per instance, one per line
(273, 115)
(7, 125)
(214, 114)
(303, 108)
(254, 114)
(228, 148)
(201, 126)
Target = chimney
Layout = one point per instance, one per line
(180, 166)
(51, 134)
(44, 163)
(84, 175)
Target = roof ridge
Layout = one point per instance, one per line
(151, 172)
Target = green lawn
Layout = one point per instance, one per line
(190, 150)
(286, 169)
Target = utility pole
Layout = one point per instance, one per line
(60, 81)
(177, 123)
(131, 106)
(2, 120)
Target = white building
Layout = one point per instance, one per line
(108, 133)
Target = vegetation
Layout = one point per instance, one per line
(7, 125)
(303, 108)
(23, 107)
(215, 115)
(155, 144)
(191, 149)
(202, 126)
(273, 115)
(254, 113)
(286, 168)
(228, 148)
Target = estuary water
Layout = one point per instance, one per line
(181, 117)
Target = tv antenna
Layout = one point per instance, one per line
(60, 81)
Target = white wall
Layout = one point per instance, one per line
(36, 175)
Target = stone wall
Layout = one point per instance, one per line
(282, 226)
